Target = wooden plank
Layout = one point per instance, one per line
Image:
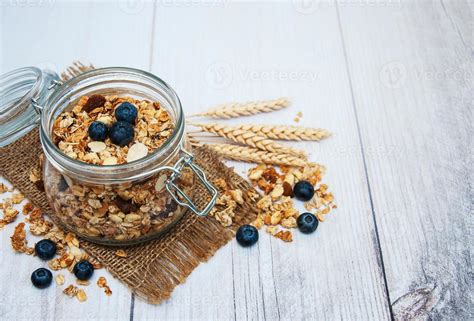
(411, 72)
(250, 51)
(54, 36)
(104, 33)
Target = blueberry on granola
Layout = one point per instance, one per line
(303, 191)
(45, 249)
(307, 223)
(247, 235)
(41, 278)
(121, 133)
(98, 131)
(126, 112)
(83, 270)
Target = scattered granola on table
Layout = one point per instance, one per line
(226, 203)
(3, 188)
(71, 290)
(68, 251)
(9, 215)
(277, 206)
(19, 242)
(17, 198)
(102, 283)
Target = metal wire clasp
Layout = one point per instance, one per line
(187, 160)
(38, 108)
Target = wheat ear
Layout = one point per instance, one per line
(283, 132)
(75, 69)
(232, 110)
(250, 139)
(253, 155)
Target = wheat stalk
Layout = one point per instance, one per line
(75, 69)
(250, 139)
(232, 110)
(253, 155)
(284, 132)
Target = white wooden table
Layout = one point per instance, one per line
(392, 79)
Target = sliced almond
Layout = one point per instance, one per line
(136, 152)
(110, 161)
(59, 279)
(160, 182)
(81, 295)
(76, 252)
(96, 147)
(105, 119)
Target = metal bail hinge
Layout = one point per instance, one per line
(38, 108)
(187, 160)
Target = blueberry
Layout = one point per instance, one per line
(98, 131)
(121, 133)
(303, 190)
(247, 235)
(45, 249)
(41, 278)
(83, 270)
(307, 223)
(126, 112)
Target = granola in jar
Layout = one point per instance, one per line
(152, 126)
(113, 212)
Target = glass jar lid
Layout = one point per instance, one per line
(20, 90)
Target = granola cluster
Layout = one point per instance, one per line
(276, 206)
(152, 128)
(226, 203)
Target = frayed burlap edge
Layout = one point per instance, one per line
(151, 270)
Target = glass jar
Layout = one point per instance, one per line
(115, 204)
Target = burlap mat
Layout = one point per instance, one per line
(151, 270)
